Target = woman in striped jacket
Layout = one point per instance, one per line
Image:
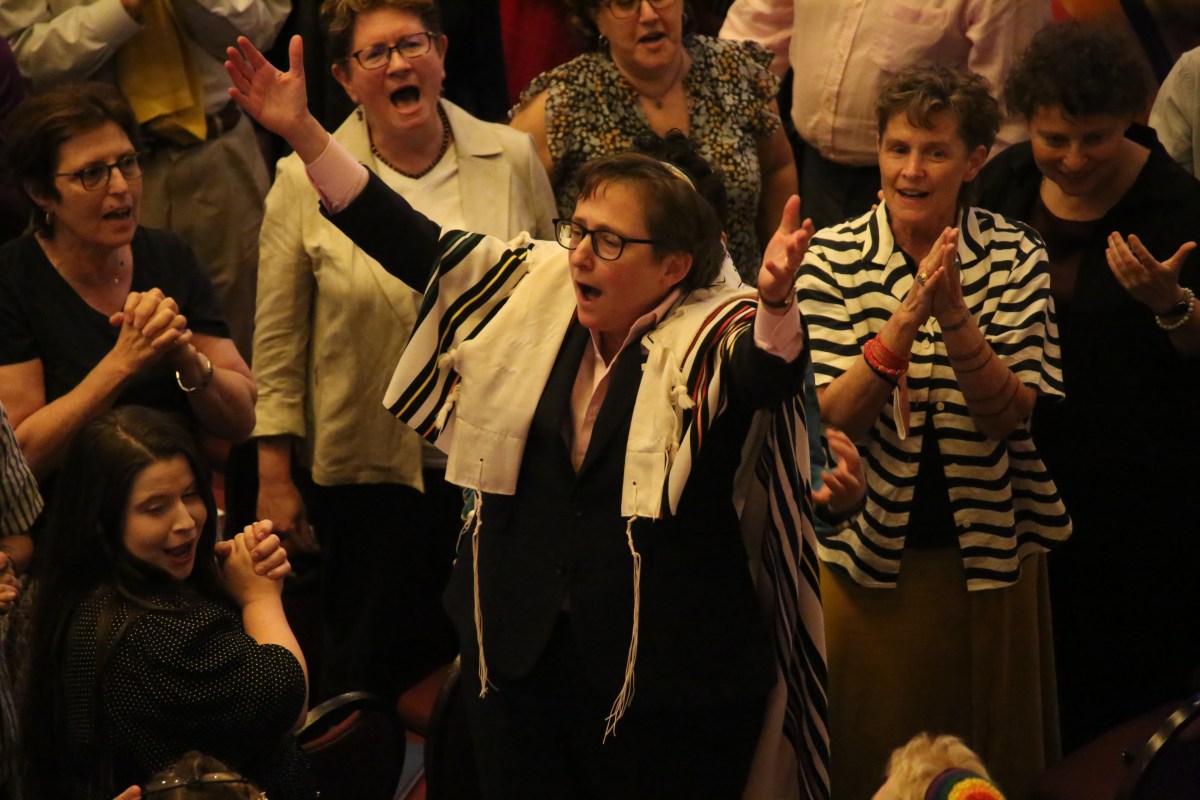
(933, 333)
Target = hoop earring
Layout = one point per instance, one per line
(49, 220)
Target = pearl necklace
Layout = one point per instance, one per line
(436, 159)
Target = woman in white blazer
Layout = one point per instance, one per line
(330, 325)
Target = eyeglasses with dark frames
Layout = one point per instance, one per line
(409, 47)
(173, 784)
(605, 244)
(622, 9)
(97, 176)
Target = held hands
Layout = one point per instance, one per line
(783, 254)
(1152, 283)
(266, 550)
(151, 328)
(253, 569)
(846, 485)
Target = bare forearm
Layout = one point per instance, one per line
(854, 401)
(226, 406)
(996, 399)
(265, 623)
(19, 548)
(45, 434)
(1186, 338)
(275, 458)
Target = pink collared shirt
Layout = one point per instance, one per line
(843, 51)
(338, 179)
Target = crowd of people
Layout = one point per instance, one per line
(810, 453)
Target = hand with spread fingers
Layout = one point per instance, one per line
(277, 100)
(1153, 283)
(782, 256)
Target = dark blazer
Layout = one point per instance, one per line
(560, 542)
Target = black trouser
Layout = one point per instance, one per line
(541, 736)
(832, 192)
(387, 552)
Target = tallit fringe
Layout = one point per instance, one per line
(483, 670)
(625, 697)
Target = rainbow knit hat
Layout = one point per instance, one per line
(961, 784)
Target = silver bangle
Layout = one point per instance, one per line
(1189, 297)
(204, 382)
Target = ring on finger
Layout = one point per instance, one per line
(921, 278)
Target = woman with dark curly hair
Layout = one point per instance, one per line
(647, 72)
(1110, 203)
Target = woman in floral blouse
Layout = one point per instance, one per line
(646, 75)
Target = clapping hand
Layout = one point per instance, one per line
(933, 289)
(843, 487)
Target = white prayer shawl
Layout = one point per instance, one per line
(491, 325)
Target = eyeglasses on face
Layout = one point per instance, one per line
(96, 176)
(377, 56)
(605, 244)
(173, 784)
(622, 9)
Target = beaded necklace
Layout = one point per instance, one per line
(436, 160)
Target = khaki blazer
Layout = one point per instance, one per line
(331, 323)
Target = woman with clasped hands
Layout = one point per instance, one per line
(932, 333)
(96, 311)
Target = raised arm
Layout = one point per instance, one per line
(375, 218)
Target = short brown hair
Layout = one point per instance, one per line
(41, 125)
(678, 218)
(338, 18)
(922, 90)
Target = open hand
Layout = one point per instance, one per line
(278, 100)
(1152, 283)
(783, 254)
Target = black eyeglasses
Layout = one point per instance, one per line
(207, 779)
(605, 244)
(377, 56)
(622, 9)
(96, 176)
